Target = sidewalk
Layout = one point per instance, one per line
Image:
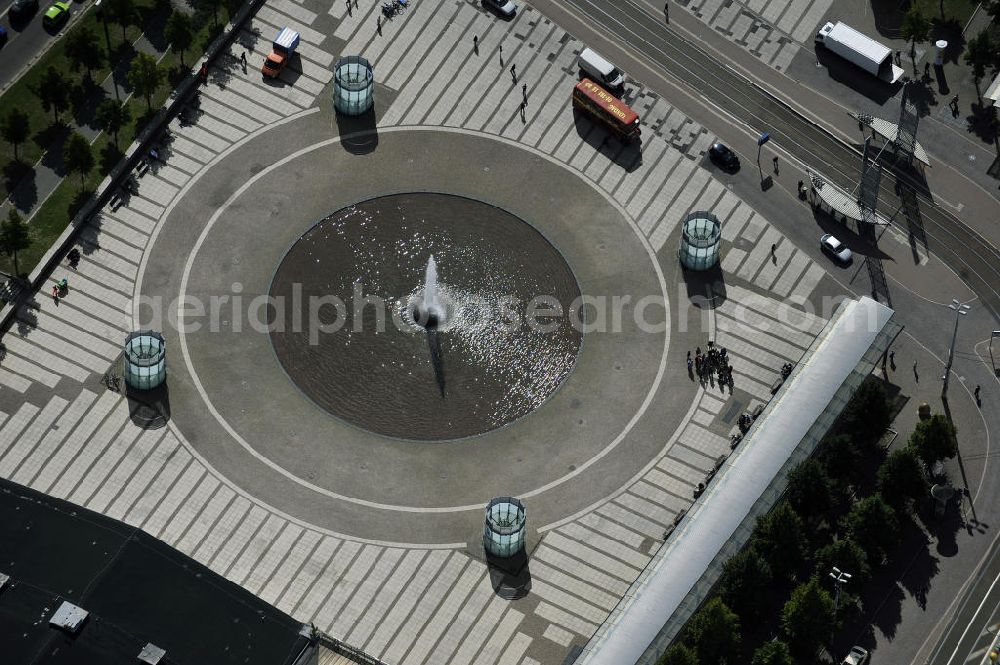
(45, 175)
(959, 193)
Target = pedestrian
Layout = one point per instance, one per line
(524, 93)
(378, 25)
(690, 363)
(927, 70)
(916, 377)
(775, 160)
(513, 72)
(899, 57)
(977, 392)
(203, 72)
(349, 8)
(774, 250)
(666, 11)
(892, 358)
(522, 113)
(55, 294)
(475, 44)
(243, 58)
(501, 55)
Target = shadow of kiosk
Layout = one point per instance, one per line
(143, 379)
(504, 537)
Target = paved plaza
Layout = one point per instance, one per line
(384, 556)
(773, 31)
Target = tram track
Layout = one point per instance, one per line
(746, 103)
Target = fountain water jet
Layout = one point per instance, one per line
(430, 312)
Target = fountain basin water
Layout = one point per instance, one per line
(478, 369)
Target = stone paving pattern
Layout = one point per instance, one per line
(771, 30)
(63, 434)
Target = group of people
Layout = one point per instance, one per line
(60, 289)
(715, 362)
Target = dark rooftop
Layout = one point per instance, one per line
(135, 588)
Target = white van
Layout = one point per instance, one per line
(600, 70)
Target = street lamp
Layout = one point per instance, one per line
(960, 311)
(107, 37)
(839, 577)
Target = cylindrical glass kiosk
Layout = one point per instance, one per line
(353, 85)
(701, 239)
(145, 360)
(503, 533)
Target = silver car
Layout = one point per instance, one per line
(857, 656)
(504, 8)
(836, 249)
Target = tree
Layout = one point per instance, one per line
(715, 633)
(179, 32)
(78, 157)
(774, 652)
(867, 414)
(901, 478)
(809, 491)
(846, 555)
(841, 458)
(808, 617)
(120, 12)
(53, 91)
(202, 5)
(873, 525)
(979, 55)
(15, 127)
(678, 654)
(934, 439)
(781, 540)
(111, 117)
(145, 76)
(14, 236)
(746, 582)
(83, 48)
(915, 28)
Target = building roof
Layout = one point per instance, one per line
(135, 589)
(993, 92)
(681, 563)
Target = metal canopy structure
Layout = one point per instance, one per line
(684, 570)
(890, 132)
(841, 202)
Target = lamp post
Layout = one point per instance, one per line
(961, 310)
(107, 37)
(839, 577)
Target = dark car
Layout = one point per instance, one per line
(722, 155)
(22, 9)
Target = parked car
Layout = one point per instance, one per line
(857, 656)
(56, 14)
(724, 157)
(504, 8)
(836, 249)
(22, 9)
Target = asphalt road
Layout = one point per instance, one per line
(25, 40)
(978, 608)
(649, 39)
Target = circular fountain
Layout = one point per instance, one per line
(416, 318)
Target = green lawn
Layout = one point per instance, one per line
(54, 215)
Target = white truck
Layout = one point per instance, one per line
(859, 49)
